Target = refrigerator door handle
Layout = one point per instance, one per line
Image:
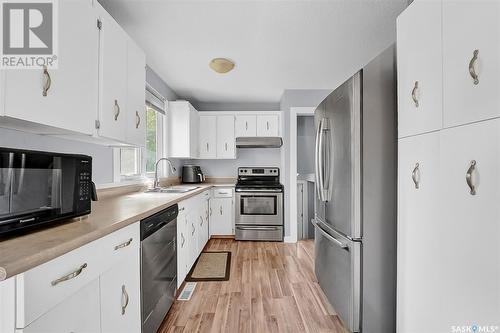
(328, 148)
(327, 235)
(317, 173)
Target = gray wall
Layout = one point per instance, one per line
(305, 144)
(270, 157)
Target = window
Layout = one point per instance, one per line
(134, 163)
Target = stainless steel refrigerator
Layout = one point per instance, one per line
(355, 205)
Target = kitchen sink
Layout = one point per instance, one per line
(172, 189)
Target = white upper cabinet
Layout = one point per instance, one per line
(246, 125)
(113, 78)
(226, 144)
(183, 139)
(419, 59)
(208, 137)
(66, 97)
(136, 95)
(267, 126)
(471, 59)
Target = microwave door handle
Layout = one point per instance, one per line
(21, 174)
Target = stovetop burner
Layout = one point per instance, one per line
(257, 178)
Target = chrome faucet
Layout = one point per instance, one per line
(156, 183)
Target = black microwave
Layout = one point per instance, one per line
(41, 187)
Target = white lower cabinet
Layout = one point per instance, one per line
(80, 313)
(121, 296)
(221, 219)
(182, 246)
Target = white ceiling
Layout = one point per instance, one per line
(276, 45)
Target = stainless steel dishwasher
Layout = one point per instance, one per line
(158, 267)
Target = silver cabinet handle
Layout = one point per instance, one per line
(181, 209)
(415, 175)
(207, 147)
(225, 145)
(246, 125)
(414, 94)
(201, 220)
(472, 69)
(138, 119)
(220, 208)
(117, 110)
(336, 241)
(124, 244)
(210, 211)
(194, 229)
(183, 240)
(48, 81)
(267, 124)
(70, 276)
(468, 177)
(125, 299)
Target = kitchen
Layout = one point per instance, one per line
(152, 169)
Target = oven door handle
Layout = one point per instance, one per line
(258, 228)
(258, 191)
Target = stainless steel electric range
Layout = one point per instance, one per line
(259, 205)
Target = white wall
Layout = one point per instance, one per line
(267, 157)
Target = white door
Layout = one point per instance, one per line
(120, 296)
(182, 249)
(418, 241)
(136, 95)
(113, 78)
(208, 137)
(246, 126)
(79, 313)
(226, 143)
(71, 98)
(419, 60)
(267, 126)
(469, 251)
(221, 220)
(471, 35)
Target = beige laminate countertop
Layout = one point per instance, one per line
(21, 253)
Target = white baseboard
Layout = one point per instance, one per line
(289, 239)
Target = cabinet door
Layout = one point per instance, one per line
(193, 238)
(221, 220)
(208, 137)
(246, 126)
(469, 251)
(418, 239)
(71, 101)
(120, 296)
(267, 126)
(113, 78)
(419, 68)
(469, 26)
(136, 95)
(182, 249)
(226, 143)
(202, 226)
(78, 313)
(194, 129)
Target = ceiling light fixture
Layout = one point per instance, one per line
(221, 65)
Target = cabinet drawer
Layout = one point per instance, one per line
(43, 287)
(223, 192)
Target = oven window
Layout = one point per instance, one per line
(258, 205)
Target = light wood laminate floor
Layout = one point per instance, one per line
(272, 288)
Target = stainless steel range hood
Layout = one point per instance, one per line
(259, 142)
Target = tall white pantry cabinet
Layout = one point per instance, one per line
(449, 166)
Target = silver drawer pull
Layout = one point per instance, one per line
(117, 110)
(194, 229)
(138, 119)
(125, 299)
(220, 208)
(468, 177)
(183, 240)
(415, 175)
(414, 94)
(472, 68)
(48, 81)
(201, 221)
(246, 125)
(124, 244)
(70, 276)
